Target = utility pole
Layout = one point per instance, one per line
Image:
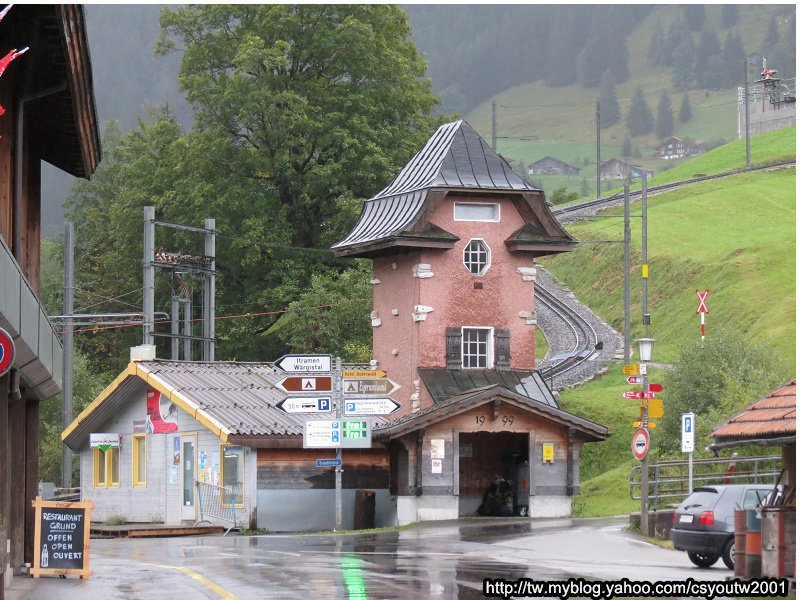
(338, 399)
(494, 125)
(645, 489)
(645, 264)
(627, 267)
(148, 275)
(598, 148)
(746, 111)
(69, 307)
(209, 291)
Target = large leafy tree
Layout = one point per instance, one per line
(314, 103)
(300, 112)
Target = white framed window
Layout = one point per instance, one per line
(477, 257)
(232, 475)
(475, 211)
(477, 347)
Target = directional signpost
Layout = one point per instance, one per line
(318, 383)
(305, 405)
(322, 434)
(359, 373)
(633, 395)
(368, 387)
(329, 462)
(369, 406)
(635, 379)
(304, 363)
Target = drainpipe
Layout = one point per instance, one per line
(19, 137)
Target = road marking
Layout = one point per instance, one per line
(222, 592)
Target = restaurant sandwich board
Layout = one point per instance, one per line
(61, 538)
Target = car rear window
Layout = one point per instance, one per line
(701, 497)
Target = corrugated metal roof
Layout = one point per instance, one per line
(237, 398)
(455, 157)
(772, 416)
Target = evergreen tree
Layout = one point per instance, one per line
(733, 57)
(609, 105)
(665, 123)
(627, 148)
(771, 38)
(677, 35)
(655, 49)
(640, 118)
(686, 109)
(695, 16)
(682, 63)
(730, 15)
(707, 48)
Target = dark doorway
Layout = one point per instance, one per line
(482, 457)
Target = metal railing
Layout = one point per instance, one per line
(218, 502)
(669, 480)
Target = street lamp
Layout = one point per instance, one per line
(645, 356)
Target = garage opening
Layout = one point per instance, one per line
(484, 457)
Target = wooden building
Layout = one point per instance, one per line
(49, 116)
(552, 166)
(177, 423)
(453, 238)
(618, 169)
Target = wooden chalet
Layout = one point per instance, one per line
(49, 116)
(552, 166)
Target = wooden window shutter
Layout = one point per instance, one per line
(453, 347)
(502, 349)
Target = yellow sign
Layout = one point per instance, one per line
(645, 270)
(548, 452)
(362, 374)
(650, 424)
(655, 408)
(630, 370)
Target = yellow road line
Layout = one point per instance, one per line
(203, 580)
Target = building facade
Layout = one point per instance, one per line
(453, 239)
(552, 166)
(48, 100)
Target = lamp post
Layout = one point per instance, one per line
(645, 356)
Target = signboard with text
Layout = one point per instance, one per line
(61, 538)
(304, 363)
(687, 432)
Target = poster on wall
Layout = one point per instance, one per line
(437, 449)
(162, 413)
(436, 465)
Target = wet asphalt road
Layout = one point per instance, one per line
(429, 560)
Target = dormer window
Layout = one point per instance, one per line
(477, 257)
(474, 211)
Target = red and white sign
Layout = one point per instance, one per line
(633, 395)
(319, 383)
(702, 308)
(635, 380)
(6, 352)
(656, 387)
(640, 444)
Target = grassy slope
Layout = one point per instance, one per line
(735, 237)
(564, 118)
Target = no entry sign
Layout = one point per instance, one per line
(640, 444)
(6, 352)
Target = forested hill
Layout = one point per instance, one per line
(475, 53)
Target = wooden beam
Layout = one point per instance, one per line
(31, 473)
(17, 469)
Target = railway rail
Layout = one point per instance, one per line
(574, 212)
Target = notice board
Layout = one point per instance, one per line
(61, 538)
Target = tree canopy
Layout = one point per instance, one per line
(300, 112)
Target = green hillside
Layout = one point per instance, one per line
(736, 237)
(562, 119)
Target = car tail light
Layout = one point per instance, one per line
(674, 517)
(706, 518)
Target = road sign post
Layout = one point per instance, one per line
(702, 310)
(369, 406)
(687, 441)
(304, 363)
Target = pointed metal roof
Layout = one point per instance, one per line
(454, 158)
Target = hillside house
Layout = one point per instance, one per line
(50, 116)
(452, 239)
(672, 147)
(618, 169)
(552, 166)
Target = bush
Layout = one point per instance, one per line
(562, 195)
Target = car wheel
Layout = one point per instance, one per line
(727, 554)
(703, 561)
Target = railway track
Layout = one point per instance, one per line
(580, 210)
(574, 339)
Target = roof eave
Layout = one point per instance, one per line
(380, 246)
(761, 441)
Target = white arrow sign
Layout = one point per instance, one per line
(369, 387)
(322, 434)
(369, 406)
(295, 404)
(304, 363)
